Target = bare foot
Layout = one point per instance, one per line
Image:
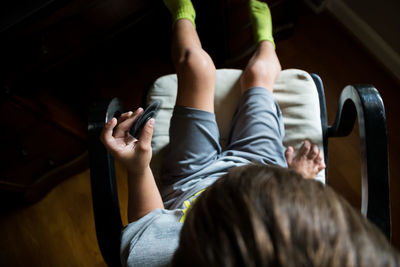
(309, 160)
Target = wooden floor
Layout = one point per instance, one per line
(59, 230)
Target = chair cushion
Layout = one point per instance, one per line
(294, 91)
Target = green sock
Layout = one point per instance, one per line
(262, 21)
(181, 9)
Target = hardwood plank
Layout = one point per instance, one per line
(57, 231)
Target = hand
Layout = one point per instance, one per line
(309, 160)
(134, 154)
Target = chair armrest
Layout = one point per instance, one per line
(104, 191)
(324, 119)
(364, 102)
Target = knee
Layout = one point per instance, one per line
(261, 74)
(197, 62)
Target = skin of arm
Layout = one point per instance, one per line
(135, 156)
(143, 195)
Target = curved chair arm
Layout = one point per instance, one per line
(104, 191)
(364, 102)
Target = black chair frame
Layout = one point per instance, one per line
(358, 101)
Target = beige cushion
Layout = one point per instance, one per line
(294, 91)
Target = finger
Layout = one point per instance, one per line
(124, 116)
(147, 133)
(123, 121)
(321, 164)
(314, 151)
(304, 149)
(106, 135)
(318, 159)
(289, 155)
(124, 126)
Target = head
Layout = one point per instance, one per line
(269, 216)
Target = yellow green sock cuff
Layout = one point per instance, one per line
(262, 21)
(181, 9)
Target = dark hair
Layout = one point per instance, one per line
(269, 216)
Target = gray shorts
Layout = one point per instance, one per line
(256, 135)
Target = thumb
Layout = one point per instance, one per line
(289, 155)
(147, 132)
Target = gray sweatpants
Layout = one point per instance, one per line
(194, 153)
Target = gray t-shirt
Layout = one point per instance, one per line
(153, 239)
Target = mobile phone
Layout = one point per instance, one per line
(150, 112)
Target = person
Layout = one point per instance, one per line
(284, 220)
(194, 163)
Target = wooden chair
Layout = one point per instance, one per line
(356, 101)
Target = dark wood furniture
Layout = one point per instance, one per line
(45, 54)
(47, 51)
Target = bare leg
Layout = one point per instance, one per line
(195, 68)
(309, 160)
(262, 69)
